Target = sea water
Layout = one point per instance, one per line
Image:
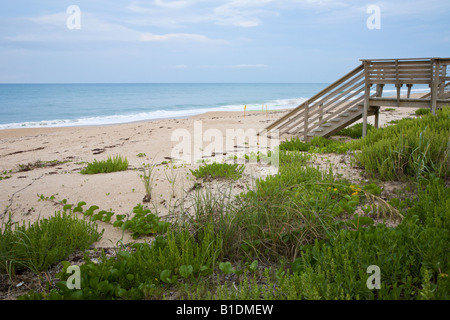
(59, 105)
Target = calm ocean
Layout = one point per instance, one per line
(57, 105)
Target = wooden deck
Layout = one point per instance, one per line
(352, 97)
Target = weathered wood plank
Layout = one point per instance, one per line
(321, 93)
(346, 93)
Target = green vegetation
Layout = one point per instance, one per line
(148, 179)
(43, 243)
(219, 170)
(422, 111)
(142, 223)
(300, 234)
(315, 145)
(412, 148)
(112, 164)
(4, 177)
(354, 131)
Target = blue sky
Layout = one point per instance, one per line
(211, 40)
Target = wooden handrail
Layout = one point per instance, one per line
(353, 89)
(316, 96)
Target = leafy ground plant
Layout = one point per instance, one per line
(112, 164)
(143, 222)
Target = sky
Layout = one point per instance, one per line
(203, 41)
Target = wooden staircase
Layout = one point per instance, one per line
(350, 98)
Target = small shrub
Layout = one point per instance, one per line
(112, 164)
(413, 148)
(39, 245)
(354, 131)
(422, 111)
(316, 145)
(142, 223)
(219, 170)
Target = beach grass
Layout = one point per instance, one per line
(112, 164)
(411, 148)
(219, 170)
(47, 241)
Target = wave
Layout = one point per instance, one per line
(152, 115)
(277, 104)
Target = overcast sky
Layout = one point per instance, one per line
(211, 40)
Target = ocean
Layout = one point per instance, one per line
(62, 105)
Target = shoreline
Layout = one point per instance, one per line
(200, 115)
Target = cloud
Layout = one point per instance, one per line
(240, 13)
(172, 4)
(190, 37)
(248, 66)
(179, 66)
(52, 28)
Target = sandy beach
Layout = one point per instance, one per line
(47, 161)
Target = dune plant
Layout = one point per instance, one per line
(112, 164)
(38, 245)
(148, 179)
(143, 222)
(219, 170)
(412, 148)
(422, 111)
(316, 145)
(355, 131)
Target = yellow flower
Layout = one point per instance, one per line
(355, 193)
(334, 189)
(443, 275)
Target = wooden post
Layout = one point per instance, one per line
(434, 84)
(442, 81)
(409, 85)
(379, 92)
(377, 116)
(366, 97)
(305, 128)
(397, 83)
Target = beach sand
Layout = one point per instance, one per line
(73, 147)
